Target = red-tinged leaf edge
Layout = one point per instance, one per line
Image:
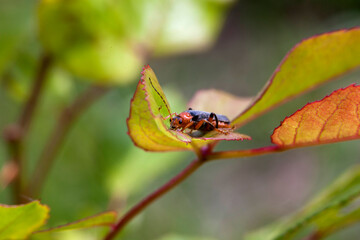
(298, 145)
(278, 69)
(231, 136)
(68, 226)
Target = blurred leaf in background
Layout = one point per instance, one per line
(108, 41)
(181, 237)
(332, 210)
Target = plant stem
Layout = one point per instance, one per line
(28, 112)
(314, 236)
(15, 133)
(244, 153)
(67, 117)
(152, 197)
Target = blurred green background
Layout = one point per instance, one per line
(191, 45)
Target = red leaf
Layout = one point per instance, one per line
(332, 119)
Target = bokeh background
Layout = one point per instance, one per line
(229, 45)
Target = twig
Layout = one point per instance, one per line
(67, 117)
(28, 112)
(314, 236)
(152, 197)
(14, 134)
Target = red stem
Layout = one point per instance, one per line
(152, 197)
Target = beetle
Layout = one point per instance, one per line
(200, 120)
(196, 120)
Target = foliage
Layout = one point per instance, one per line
(332, 119)
(18, 222)
(105, 43)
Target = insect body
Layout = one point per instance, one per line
(196, 120)
(200, 120)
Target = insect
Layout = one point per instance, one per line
(196, 120)
(200, 120)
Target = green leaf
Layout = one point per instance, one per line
(90, 39)
(150, 131)
(181, 237)
(146, 128)
(16, 19)
(311, 62)
(19, 221)
(132, 174)
(107, 40)
(189, 25)
(102, 219)
(332, 210)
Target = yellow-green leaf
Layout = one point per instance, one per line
(313, 61)
(19, 221)
(189, 25)
(146, 127)
(146, 124)
(90, 39)
(102, 219)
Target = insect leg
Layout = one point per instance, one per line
(212, 115)
(187, 126)
(199, 124)
(164, 118)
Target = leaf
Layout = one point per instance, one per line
(147, 128)
(334, 118)
(222, 102)
(90, 39)
(16, 18)
(182, 237)
(310, 63)
(132, 174)
(19, 221)
(107, 41)
(332, 210)
(188, 25)
(102, 219)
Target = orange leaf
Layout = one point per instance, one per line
(332, 119)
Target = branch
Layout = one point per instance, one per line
(28, 112)
(152, 197)
(14, 134)
(67, 117)
(314, 236)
